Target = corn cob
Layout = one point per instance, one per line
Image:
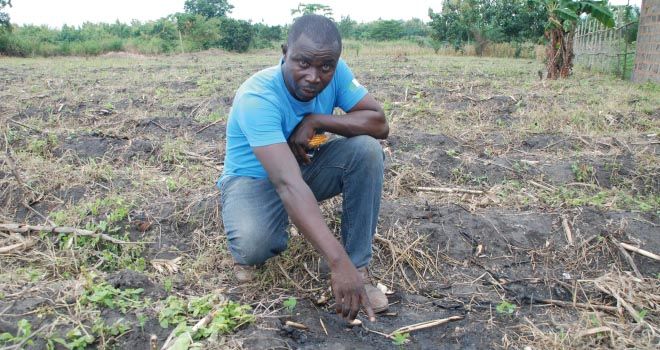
(317, 140)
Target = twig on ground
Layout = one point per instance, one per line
(424, 325)
(594, 331)
(18, 246)
(323, 326)
(567, 229)
(18, 228)
(448, 190)
(580, 305)
(541, 186)
(640, 251)
(627, 256)
(208, 126)
(296, 325)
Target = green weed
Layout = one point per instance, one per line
(105, 295)
(290, 304)
(23, 334)
(505, 308)
(400, 339)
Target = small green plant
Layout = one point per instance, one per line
(23, 334)
(76, 339)
(642, 314)
(103, 294)
(400, 339)
(104, 331)
(290, 304)
(174, 312)
(452, 153)
(226, 320)
(582, 172)
(168, 285)
(505, 308)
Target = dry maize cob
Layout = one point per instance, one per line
(317, 140)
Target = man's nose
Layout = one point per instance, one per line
(313, 76)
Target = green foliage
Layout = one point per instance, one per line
(290, 304)
(485, 21)
(76, 339)
(386, 30)
(105, 295)
(226, 320)
(565, 14)
(505, 308)
(174, 312)
(236, 35)
(316, 9)
(400, 338)
(582, 172)
(23, 333)
(208, 8)
(4, 18)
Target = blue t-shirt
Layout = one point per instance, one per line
(265, 113)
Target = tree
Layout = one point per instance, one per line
(4, 18)
(208, 8)
(236, 35)
(386, 30)
(316, 9)
(560, 31)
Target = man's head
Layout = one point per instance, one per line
(310, 56)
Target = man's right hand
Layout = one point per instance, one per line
(348, 289)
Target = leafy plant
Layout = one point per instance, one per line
(75, 340)
(105, 295)
(226, 320)
(174, 312)
(290, 304)
(400, 338)
(23, 334)
(582, 172)
(505, 308)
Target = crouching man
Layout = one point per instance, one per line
(271, 173)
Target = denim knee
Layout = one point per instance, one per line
(368, 150)
(253, 246)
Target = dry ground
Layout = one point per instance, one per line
(550, 186)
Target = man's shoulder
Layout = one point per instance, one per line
(263, 85)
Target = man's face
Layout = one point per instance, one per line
(308, 67)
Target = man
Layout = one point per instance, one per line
(269, 174)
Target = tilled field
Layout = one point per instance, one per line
(522, 211)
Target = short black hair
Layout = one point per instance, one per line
(319, 29)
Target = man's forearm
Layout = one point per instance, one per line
(363, 122)
(301, 205)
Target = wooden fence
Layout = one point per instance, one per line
(604, 49)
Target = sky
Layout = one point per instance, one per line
(75, 12)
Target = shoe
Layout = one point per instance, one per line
(377, 298)
(244, 273)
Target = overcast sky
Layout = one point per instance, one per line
(54, 13)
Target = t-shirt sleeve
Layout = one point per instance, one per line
(349, 90)
(259, 120)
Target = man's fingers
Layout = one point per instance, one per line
(338, 301)
(303, 155)
(367, 306)
(355, 307)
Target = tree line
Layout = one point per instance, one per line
(206, 24)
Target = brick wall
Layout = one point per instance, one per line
(647, 59)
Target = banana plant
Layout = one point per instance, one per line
(563, 17)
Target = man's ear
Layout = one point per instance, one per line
(284, 49)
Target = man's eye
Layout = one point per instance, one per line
(326, 67)
(304, 64)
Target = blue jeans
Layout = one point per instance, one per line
(255, 219)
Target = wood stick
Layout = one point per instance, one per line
(448, 190)
(628, 258)
(19, 228)
(567, 229)
(424, 325)
(296, 325)
(640, 251)
(580, 305)
(323, 326)
(23, 245)
(594, 331)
